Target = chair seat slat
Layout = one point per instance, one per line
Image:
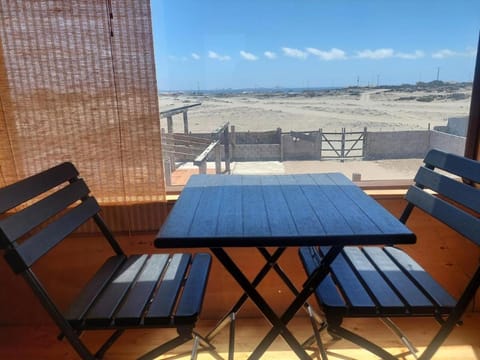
(138, 297)
(192, 297)
(160, 311)
(443, 299)
(92, 289)
(386, 298)
(350, 285)
(413, 296)
(101, 312)
(326, 293)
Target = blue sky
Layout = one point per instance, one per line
(217, 44)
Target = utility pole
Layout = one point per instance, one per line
(438, 73)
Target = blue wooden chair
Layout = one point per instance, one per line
(127, 291)
(385, 282)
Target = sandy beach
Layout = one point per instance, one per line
(378, 109)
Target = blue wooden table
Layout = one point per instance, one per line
(279, 211)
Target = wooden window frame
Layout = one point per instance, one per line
(472, 145)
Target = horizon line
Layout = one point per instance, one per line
(313, 88)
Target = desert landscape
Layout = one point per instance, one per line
(388, 108)
(393, 108)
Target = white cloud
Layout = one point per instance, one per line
(471, 51)
(248, 56)
(375, 54)
(270, 54)
(446, 53)
(295, 53)
(332, 54)
(214, 55)
(195, 56)
(418, 54)
(386, 53)
(177, 58)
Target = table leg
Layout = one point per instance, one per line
(271, 262)
(288, 282)
(308, 288)
(254, 295)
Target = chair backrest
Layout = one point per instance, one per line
(446, 188)
(42, 210)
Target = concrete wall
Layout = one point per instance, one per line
(378, 145)
(256, 152)
(396, 144)
(261, 137)
(455, 125)
(447, 142)
(299, 150)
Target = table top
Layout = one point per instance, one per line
(277, 210)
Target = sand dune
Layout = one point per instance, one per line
(378, 109)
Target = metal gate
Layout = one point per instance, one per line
(343, 145)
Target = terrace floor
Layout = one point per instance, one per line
(368, 170)
(22, 342)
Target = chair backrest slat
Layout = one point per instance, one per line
(454, 164)
(24, 190)
(455, 200)
(20, 223)
(461, 221)
(455, 190)
(25, 255)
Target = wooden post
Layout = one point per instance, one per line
(318, 144)
(185, 122)
(168, 155)
(281, 144)
(226, 143)
(364, 145)
(342, 151)
(233, 137)
(167, 172)
(202, 168)
(279, 135)
(169, 124)
(218, 159)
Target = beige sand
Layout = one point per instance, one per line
(354, 109)
(376, 109)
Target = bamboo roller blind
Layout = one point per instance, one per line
(77, 83)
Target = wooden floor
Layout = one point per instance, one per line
(22, 342)
(181, 176)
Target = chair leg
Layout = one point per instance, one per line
(195, 348)
(103, 349)
(169, 345)
(401, 335)
(316, 333)
(231, 338)
(362, 342)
